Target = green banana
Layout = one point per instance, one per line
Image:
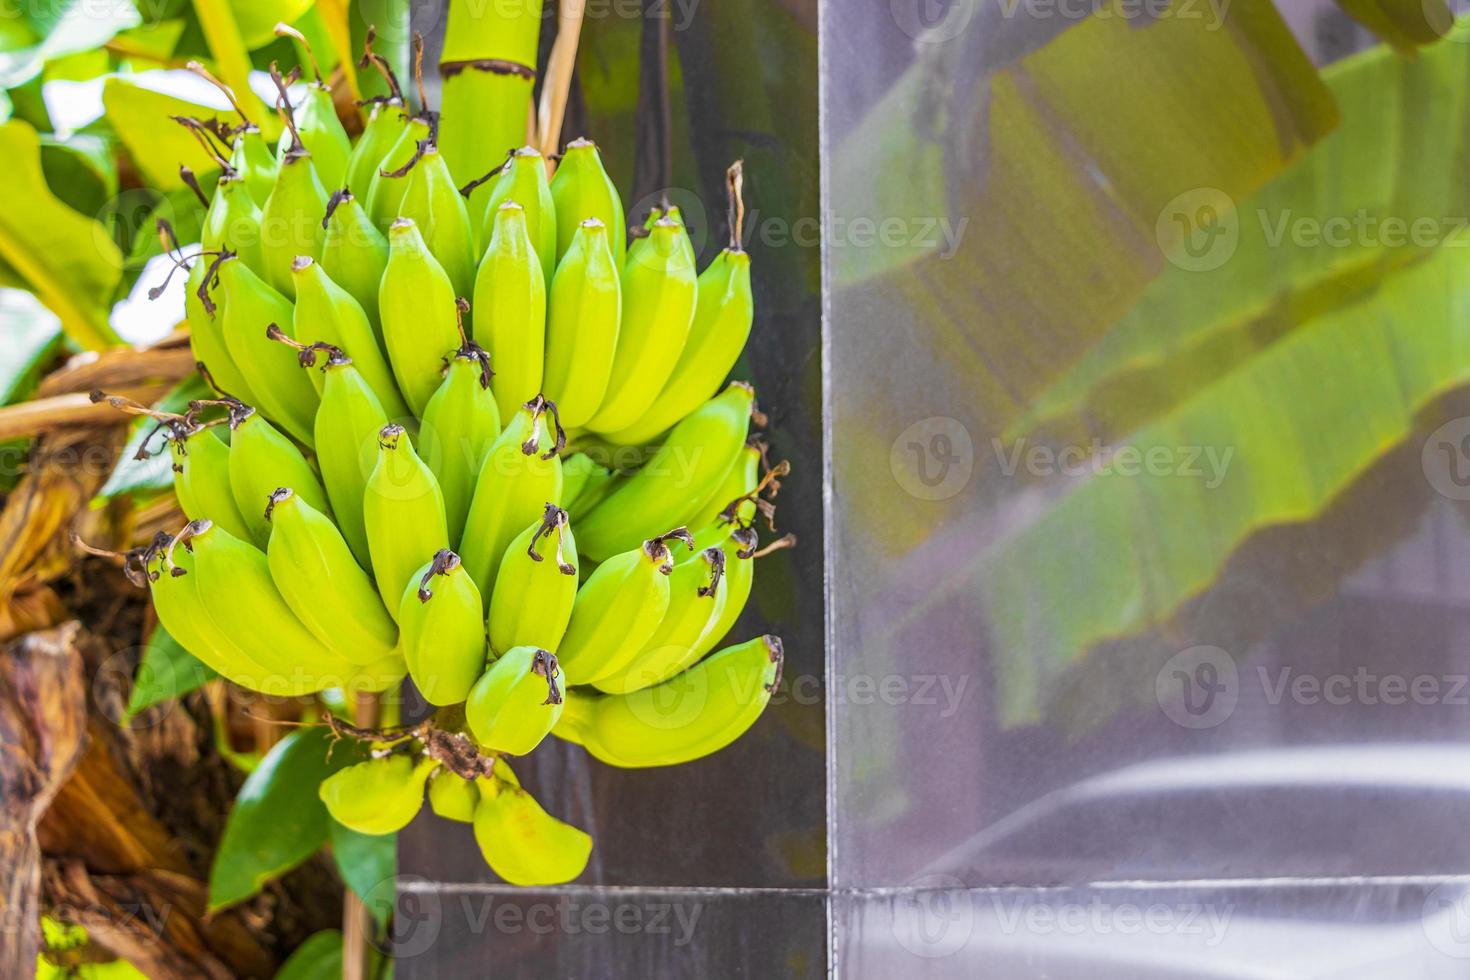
(582, 189)
(380, 796)
(723, 314)
(531, 602)
(432, 200)
(461, 423)
(521, 842)
(248, 307)
(658, 307)
(510, 309)
(385, 126)
(618, 609)
(252, 159)
(206, 335)
(233, 222)
(347, 427)
(488, 67)
(514, 705)
(355, 255)
(320, 580)
(584, 482)
(319, 129)
(327, 313)
(453, 797)
(739, 547)
(714, 520)
(695, 603)
(202, 480)
(173, 587)
(290, 218)
(682, 476)
(403, 511)
(262, 459)
(521, 473)
(523, 181)
(443, 623)
(687, 717)
(418, 306)
(385, 191)
(582, 325)
(240, 597)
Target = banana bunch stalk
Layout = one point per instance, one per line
(404, 472)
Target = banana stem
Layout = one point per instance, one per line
(356, 923)
(558, 84)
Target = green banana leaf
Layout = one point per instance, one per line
(1375, 341)
(368, 863)
(1376, 195)
(1069, 177)
(68, 259)
(166, 671)
(277, 821)
(36, 33)
(142, 119)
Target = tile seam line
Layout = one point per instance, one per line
(882, 892)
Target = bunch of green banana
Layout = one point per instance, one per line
(464, 433)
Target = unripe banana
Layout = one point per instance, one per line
(532, 600)
(524, 844)
(327, 313)
(418, 305)
(618, 609)
(321, 581)
(582, 189)
(584, 482)
(252, 159)
(261, 460)
(723, 315)
(403, 510)
(233, 222)
(443, 623)
(696, 599)
(321, 134)
(515, 704)
(383, 130)
(206, 333)
(174, 589)
(248, 307)
(433, 202)
(460, 425)
(687, 717)
(582, 325)
(202, 480)
(521, 474)
(380, 796)
(347, 427)
(734, 503)
(453, 797)
(510, 309)
(236, 589)
(739, 547)
(523, 181)
(658, 307)
(354, 255)
(291, 218)
(681, 477)
(385, 192)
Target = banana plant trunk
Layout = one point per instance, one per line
(488, 68)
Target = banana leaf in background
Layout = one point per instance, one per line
(1318, 362)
